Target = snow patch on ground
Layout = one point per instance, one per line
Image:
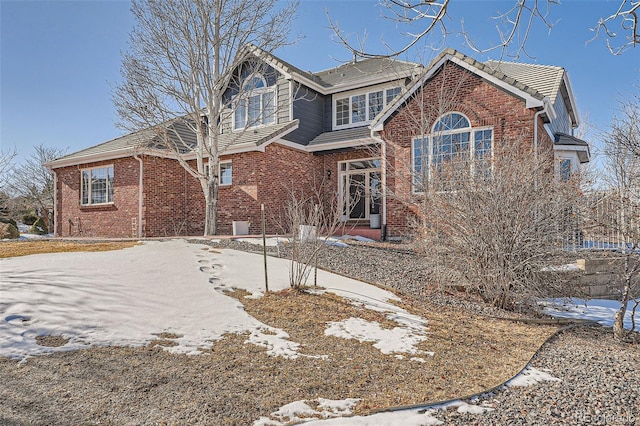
(388, 341)
(300, 411)
(127, 297)
(600, 310)
(530, 376)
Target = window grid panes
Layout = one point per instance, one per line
(392, 93)
(453, 150)
(226, 173)
(342, 111)
(258, 109)
(364, 107)
(376, 103)
(358, 108)
(565, 169)
(97, 186)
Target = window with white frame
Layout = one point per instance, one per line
(257, 106)
(362, 108)
(97, 186)
(564, 169)
(453, 149)
(225, 172)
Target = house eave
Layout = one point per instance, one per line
(352, 143)
(92, 158)
(583, 152)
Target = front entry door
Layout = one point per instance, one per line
(357, 196)
(360, 188)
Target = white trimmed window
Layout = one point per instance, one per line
(97, 186)
(257, 106)
(225, 172)
(564, 169)
(361, 108)
(453, 146)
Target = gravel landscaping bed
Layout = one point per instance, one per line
(600, 385)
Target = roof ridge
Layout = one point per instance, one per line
(525, 64)
(352, 63)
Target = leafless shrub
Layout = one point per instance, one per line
(622, 199)
(496, 229)
(310, 218)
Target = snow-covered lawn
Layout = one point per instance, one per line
(178, 290)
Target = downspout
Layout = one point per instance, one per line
(55, 203)
(549, 110)
(140, 192)
(536, 116)
(383, 181)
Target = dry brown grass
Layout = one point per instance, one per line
(472, 354)
(25, 248)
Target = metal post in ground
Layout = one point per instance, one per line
(264, 250)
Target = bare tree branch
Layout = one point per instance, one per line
(185, 57)
(6, 166)
(513, 27)
(34, 182)
(626, 17)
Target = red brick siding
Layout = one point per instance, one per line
(452, 89)
(173, 199)
(113, 220)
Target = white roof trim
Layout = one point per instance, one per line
(570, 148)
(91, 158)
(351, 143)
(572, 99)
(530, 101)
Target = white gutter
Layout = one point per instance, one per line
(55, 203)
(140, 193)
(550, 111)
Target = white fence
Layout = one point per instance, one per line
(605, 221)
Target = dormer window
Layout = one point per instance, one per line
(256, 105)
(361, 108)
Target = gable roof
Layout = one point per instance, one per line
(142, 142)
(551, 81)
(534, 97)
(545, 79)
(347, 76)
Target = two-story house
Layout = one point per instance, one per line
(347, 130)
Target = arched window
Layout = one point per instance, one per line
(452, 150)
(254, 83)
(255, 105)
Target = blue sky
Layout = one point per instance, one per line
(60, 58)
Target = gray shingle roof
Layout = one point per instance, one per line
(360, 72)
(564, 139)
(581, 147)
(365, 70)
(341, 136)
(545, 79)
(128, 144)
(491, 68)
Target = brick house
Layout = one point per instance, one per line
(351, 128)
